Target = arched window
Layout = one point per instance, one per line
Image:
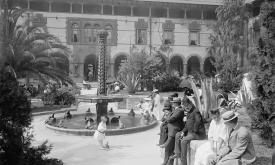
(75, 33)
(88, 32)
(96, 27)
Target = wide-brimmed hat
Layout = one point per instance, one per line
(176, 100)
(229, 115)
(147, 99)
(155, 90)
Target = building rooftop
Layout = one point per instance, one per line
(205, 2)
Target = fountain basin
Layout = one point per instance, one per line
(76, 125)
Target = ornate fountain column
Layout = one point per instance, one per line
(102, 105)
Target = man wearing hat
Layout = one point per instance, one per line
(175, 124)
(239, 149)
(194, 130)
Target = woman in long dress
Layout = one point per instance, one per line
(157, 109)
(217, 135)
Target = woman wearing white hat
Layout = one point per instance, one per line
(157, 108)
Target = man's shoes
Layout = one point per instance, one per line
(174, 156)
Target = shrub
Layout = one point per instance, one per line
(15, 120)
(264, 67)
(61, 96)
(167, 82)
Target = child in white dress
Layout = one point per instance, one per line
(217, 135)
(100, 133)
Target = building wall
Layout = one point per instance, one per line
(57, 24)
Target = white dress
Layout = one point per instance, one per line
(157, 111)
(146, 106)
(216, 130)
(99, 135)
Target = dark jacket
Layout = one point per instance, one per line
(194, 124)
(175, 121)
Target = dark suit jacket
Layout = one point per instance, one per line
(175, 122)
(194, 124)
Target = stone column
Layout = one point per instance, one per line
(71, 7)
(28, 4)
(50, 6)
(113, 12)
(102, 105)
(82, 6)
(132, 12)
(168, 15)
(112, 69)
(185, 69)
(101, 8)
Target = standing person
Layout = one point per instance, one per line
(100, 133)
(216, 138)
(164, 125)
(194, 130)
(157, 108)
(175, 124)
(239, 149)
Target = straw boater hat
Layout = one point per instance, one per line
(147, 99)
(155, 90)
(176, 100)
(229, 115)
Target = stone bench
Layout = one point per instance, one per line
(191, 151)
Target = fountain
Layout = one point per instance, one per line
(101, 99)
(76, 124)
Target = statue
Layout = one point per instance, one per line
(90, 73)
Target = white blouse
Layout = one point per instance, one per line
(217, 130)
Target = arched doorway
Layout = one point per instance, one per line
(193, 65)
(176, 64)
(208, 67)
(118, 61)
(90, 68)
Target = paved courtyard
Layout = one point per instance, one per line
(135, 149)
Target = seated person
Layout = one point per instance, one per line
(51, 119)
(131, 113)
(147, 105)
(89, 122)
(240, 149)
(164, 125)
(175, 124)
(68, 115)
(193, 130)
(121, 125)
(60, 124)
(145, 118)
(216, 138)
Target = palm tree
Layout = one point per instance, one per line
(30, 52)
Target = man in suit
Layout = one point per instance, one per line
(175, 124)
(194, 130)
(239, 149)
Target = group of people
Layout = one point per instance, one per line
(150, 107)
(228, 143)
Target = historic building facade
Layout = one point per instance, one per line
(180, 29)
